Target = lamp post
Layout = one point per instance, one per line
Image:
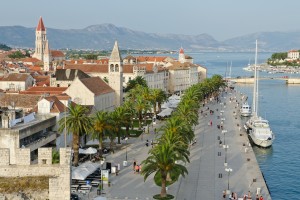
(126, 148)
(224, 131)
(225, 147)
(228, 170)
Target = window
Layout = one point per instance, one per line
(112, 68)
(116, 67)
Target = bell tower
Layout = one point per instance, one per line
(115, 71)
(40, 40)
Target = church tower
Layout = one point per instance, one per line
(41, 43)
(115, 70)
(47, 57)
(181, 57)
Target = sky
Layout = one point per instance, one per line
(219, 18)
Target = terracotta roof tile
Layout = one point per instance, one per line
(21, 100)
(89, 68)
(57, 106)
(56, 53)
(14, 77)
(42, 90)
(97, 85)
(178, 65)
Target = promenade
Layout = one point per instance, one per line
(207, 178)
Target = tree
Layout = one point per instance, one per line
(78, 123)
(163, 162)
(139, 80)
(118, 116)
(102, 124)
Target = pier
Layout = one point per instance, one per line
(249, 80)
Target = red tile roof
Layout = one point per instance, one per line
(97, 85)
(21, 100)
(33, 60)
(44, 90)
(56, 53)
(57, 106)
(151, 58)
(89, 68)
(15, 77)
(40, 26)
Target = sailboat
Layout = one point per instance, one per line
(258, 128)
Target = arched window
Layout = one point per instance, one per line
(112, 68)
(117, 67)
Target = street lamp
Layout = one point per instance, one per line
(225, 147)
(224, 131)
(228, 170)
(126, 148)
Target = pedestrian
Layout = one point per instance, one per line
(134, 164)
(147, 143)
(210, 123)
(224, 194)
(261, 198)
(257, 197)
(137, 169)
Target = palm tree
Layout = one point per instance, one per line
(127, 106)
(139, 80)
(141, 106)
(161, 98)
(162, 162)
(118, 116)
(101, 124)
(78, 123)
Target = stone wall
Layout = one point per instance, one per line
(59, 174)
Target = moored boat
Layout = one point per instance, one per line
(245, 110)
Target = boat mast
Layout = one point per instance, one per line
(257, 80)
(254, 113)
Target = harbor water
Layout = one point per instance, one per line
(278, 103)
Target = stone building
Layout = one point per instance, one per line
(16, 82)
(94, 92)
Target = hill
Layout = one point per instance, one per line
(102, 37)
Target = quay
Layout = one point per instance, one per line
(247, 80)
(207, 177)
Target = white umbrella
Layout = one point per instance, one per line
(81, 151)
(90, 150)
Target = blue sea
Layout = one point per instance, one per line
(279, 103)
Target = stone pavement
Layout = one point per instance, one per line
(207, 178)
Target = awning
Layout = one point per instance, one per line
(165, 112)
(83, 170)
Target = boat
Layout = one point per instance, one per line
(258, 129)
(245, 110)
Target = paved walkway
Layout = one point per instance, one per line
(207, 178)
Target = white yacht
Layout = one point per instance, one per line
(258, 128)
(260, 133)
(245, 110)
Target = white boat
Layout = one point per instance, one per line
(261, 134)
(258, 128)
(245, 110)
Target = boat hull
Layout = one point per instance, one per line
(261, 143)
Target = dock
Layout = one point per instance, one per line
(207, 178)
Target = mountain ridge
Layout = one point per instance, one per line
(102, 36)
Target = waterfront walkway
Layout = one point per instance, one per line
(207, 178)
